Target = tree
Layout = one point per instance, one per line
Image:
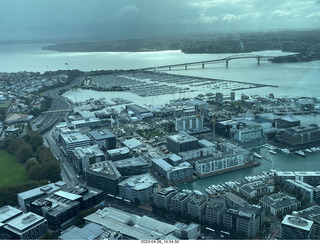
(36, 172)
(36, 140)
(51, 170)
(29, 164)
(23, 152)
(14, 145)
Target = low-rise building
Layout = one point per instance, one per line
(310, 177)
(197, 206)
(246, 220)
(39, 192)
(279, 203)
(216, 207)
(172, 173)
(139, 187)
(179, 203)
(104, 176)
(70, 141)
(313, 214)
(181, 142)
(255, 189)
(307, 191)
(92, 122)
(118, 154)
(27, 226)
(132, 143)
(131, 166)
(162, 198)
(300, 135)
(191, 231)
(104, 138)
(296, 228)
(85, 156)
(62, 206)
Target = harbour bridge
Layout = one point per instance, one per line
(203, 63)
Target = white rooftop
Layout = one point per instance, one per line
(297, 222)
(7, 212)
(23, 222)
(132, 143)
(67, 195)
(139, 182)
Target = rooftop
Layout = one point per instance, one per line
(105, 169)
(182, 138)
(132, 143)
(23, 222)
(139, 182)
(101, 134)
(297, 222)
(47, 189)
(8, 212)
(122, 150)
(74, 137)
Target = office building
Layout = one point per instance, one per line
(294, 227)
(216, 207)
(92, 122)
(307, 191)
(132, 143)
(104, 138)
(27, 226)
(191, 231)
(246, 220)
(313, 214)
(287, 122)
(104, 176)
(179, 203)
(172, 173)
(310, 177)
(181, 142)
(70, 141)
(300, 135)
(279, 203)
(197, 207)
(162, 198)
(62, 206)
(39, 192)
(255, 189)
(85, 156)
(139, 187)
(118, 154)
(233, 200)
(131, 166)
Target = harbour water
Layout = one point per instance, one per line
(293, 80)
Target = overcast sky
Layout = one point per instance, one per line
(118, 19)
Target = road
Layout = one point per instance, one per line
(48, 121)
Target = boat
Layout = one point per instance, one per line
(208, 191)
(313, 149)
(257, 155)
(272, 152)
(308, 150)
(285, 150)
(300, 153)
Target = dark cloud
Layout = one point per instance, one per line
(141, 18)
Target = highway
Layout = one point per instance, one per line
(48, 121)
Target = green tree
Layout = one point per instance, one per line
(23, 152)
(36, 172)
(36, 140)
(14, 145)
(52, 171)
(29, 164)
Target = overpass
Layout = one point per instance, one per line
(213, 61)
(57, 111)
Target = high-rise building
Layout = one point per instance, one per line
(294, 227)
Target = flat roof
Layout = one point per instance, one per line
(105, 169)
(8, 212)
(75, 137)
(88, 232)
(139, 182)
(182, 138)
(101, 134)
(132, 143)
(67, 195)
(23, 222)
(122, 150)
(297, 222)
(47, 189)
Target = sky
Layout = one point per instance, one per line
(122, 19)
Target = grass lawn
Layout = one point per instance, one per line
(4, 105)
(11, 172)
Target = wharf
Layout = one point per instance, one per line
(218, 172)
